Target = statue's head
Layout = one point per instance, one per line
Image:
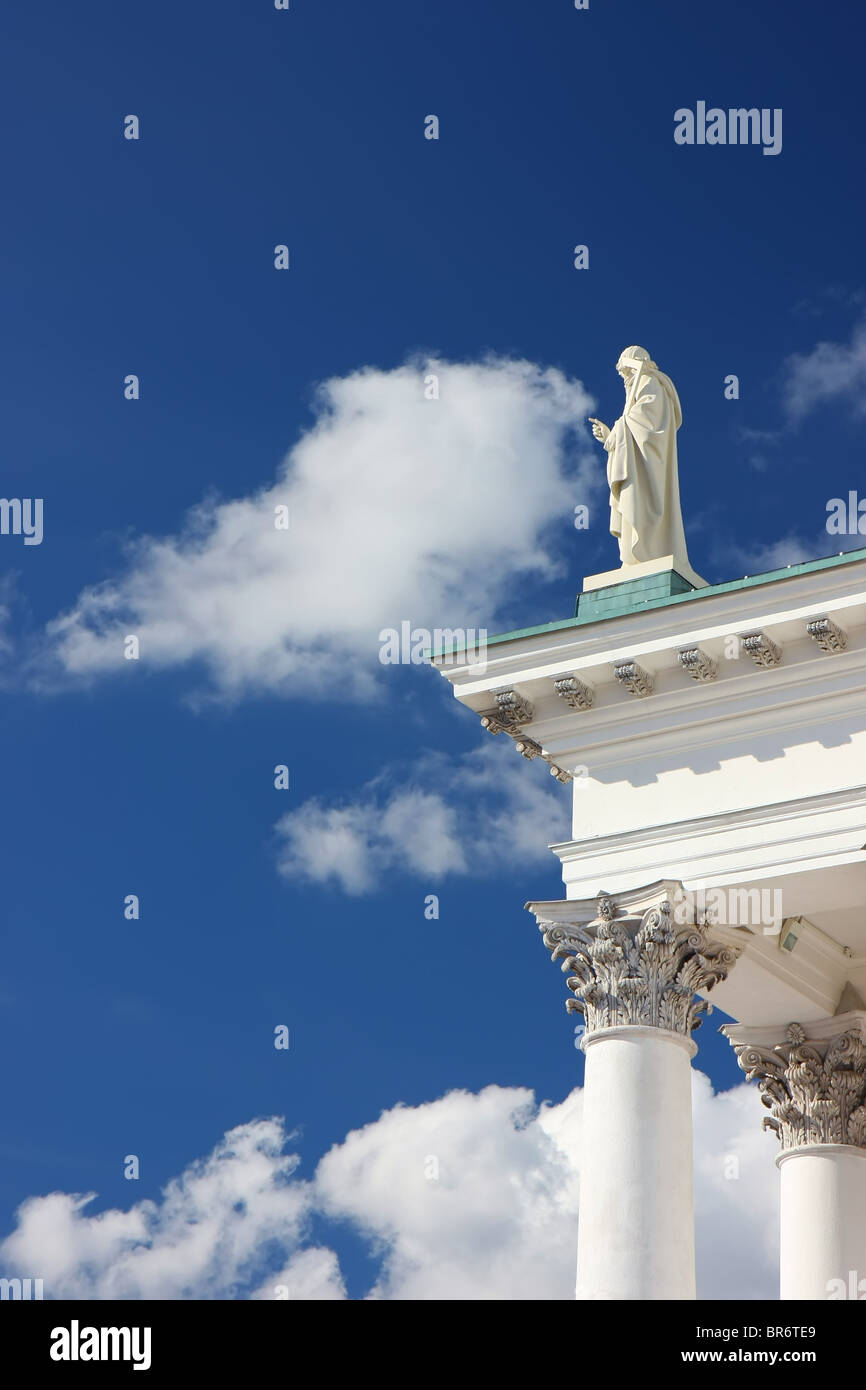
(631, 359)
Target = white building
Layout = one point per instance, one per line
(715, 738)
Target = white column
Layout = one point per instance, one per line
(813, 1080)
(633, 969)
(822, 1246)
(636, 1232)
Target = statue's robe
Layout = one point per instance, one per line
(642, 472)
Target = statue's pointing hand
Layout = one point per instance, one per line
(599, 429)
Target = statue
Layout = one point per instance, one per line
(645, 513)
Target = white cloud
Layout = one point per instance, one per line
(489, 799)
(500, 1221)
(763, 556)
(210, 1232)
(471, 1196)
(402, 509)
(311, 1275)
(736, 1194)
(830, 372)
(790, 549)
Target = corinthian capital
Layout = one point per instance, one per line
(812, 1080)
(634, 965)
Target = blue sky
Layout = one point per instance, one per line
(156, 257)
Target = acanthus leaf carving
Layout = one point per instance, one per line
(575, 692)
(699, 665)
(761, 648)
(634, 678)
(829, 636)
(814, 1088)
(639, 970)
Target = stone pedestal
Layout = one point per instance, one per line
(624, 589)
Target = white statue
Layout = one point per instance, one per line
(645, 512)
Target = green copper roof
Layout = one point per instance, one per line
(632, 604)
